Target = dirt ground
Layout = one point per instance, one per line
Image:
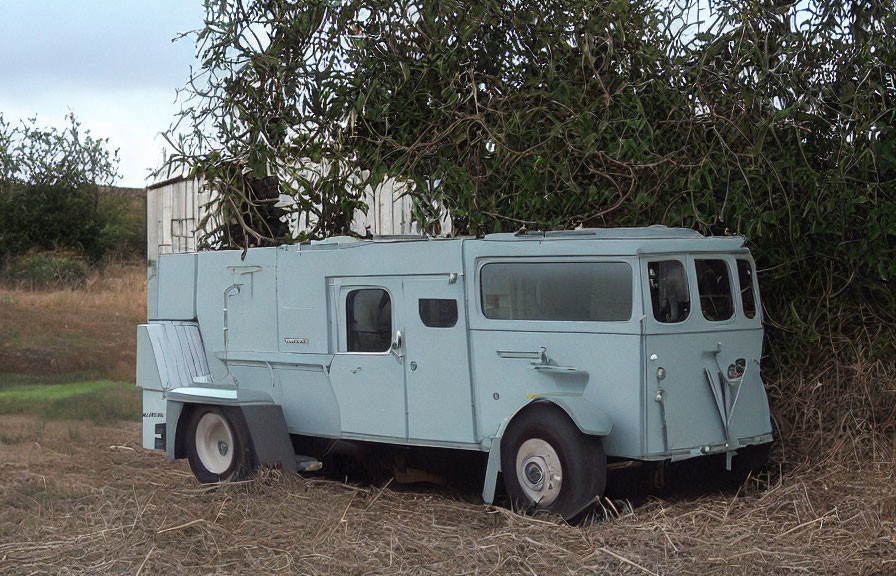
(85, 499)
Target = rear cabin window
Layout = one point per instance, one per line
(747, 295)
(437, 312)
(558, 291)
(669, 293)
(368, 315)
(715, 290)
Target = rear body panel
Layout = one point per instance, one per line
(694, 405)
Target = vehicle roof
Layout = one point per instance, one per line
(643, 240)
(643, 233)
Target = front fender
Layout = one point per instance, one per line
(587, 417)
(584, 413)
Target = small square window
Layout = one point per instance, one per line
(438, 313)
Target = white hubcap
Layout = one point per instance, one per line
(214, 443)
(539, 471)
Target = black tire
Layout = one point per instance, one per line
(525, 450)
(212, 427)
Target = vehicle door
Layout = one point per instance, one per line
(367, 371)
(703, 340)
(437, 365)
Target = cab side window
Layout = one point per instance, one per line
(669, 293)
(747, 296)
(557, 291)
(368, 315)
(714, 286)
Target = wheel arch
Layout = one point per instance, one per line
(584, 414)
(587, 417)
(548, 437)
(269, 439)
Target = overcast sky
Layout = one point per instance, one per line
(111, 62)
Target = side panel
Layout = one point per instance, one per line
(176, 297)
(248, 290)
(309, 403)
(302, 295)
(440, 404)
(607, 377)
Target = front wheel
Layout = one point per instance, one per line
(217, 445)
(550, 465)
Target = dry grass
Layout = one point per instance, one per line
(82, 499)
(90, 331)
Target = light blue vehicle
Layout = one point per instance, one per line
(549, 352)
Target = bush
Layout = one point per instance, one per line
(50, 191)
(46, 270)
(57, 216)
(123, 214)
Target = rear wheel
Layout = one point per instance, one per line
(548, 464)
(217, 445)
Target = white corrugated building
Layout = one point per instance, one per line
(175, 206)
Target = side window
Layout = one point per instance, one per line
(368, 314)
(747, 296)
(715, 290)
(669, 293)
(438, 313)
(557, 291)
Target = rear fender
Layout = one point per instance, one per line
(264, 419)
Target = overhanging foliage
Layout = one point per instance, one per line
(767, 119)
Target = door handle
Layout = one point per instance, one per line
(522, 354)
(550, 369)
(396, 347)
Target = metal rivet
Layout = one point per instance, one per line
(496, 395)
(653, 357)
(660, 373)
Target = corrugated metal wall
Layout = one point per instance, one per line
(175, 208)
(173, 211)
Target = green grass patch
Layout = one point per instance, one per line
(9, 380)
(45, 270)
(101, 401)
